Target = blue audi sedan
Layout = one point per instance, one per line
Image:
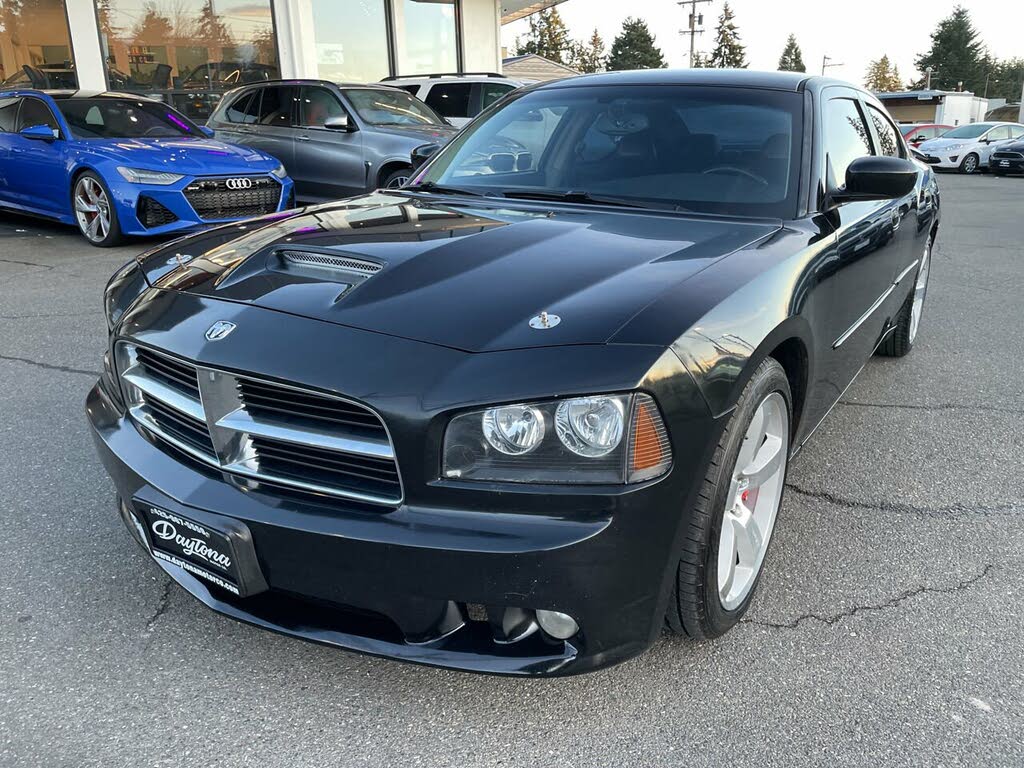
(119, 164)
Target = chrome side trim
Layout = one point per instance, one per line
(874, 307)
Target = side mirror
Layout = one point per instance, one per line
(877, 178)
(338, 123)
(422, 153)
(39, 133)
(207, 131)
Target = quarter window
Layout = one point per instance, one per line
(846, 137)
(491, 92)
(276, 106)
(450, 99)
(888, 140)
(8, 114)
(35, 112)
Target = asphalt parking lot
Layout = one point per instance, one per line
(888, 627)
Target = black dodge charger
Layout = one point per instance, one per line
(522, 414)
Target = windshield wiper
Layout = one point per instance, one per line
(439, 189)
(580, 196)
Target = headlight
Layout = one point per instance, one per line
(141, 176)
(126, 285)
(951, 147)
(597, 439)
(280, 171)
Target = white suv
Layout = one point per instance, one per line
(458, 98)
(968, 147)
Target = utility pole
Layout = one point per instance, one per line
(928, 78)
(828, 61)
(696, 20)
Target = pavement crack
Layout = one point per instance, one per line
(893, 602)
(935, 407)
(49, 366)
(161, 606)
(27, 263)
(899, 507)
(33, 316)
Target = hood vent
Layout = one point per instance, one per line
(352, 267)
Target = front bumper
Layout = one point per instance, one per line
(130, 201)
(946, 160)
(420, 581)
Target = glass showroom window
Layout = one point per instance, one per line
(188, 51)
(351, 40)
(35, 45)
(427, 36)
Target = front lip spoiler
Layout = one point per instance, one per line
(450, 652)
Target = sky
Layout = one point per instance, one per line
(851, 34)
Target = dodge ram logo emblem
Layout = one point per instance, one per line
(238, 183)
(219, 330)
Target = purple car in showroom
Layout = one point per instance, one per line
(119, 164)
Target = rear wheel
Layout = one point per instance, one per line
(900, 341)
(969, 164)
(94, 212)
(732, 521)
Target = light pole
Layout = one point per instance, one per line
(695, 21)
(827, 61)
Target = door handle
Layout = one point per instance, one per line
(303, 138)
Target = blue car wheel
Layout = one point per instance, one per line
(94, 213)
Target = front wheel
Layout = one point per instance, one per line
(94, 212)
(397, 179)
(731, 524)
(969, 164)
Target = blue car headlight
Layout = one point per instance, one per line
(142, 176)
(280, 171)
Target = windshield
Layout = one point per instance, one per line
(391, 106)
(709, 149)
(967, 131)
(124, 119)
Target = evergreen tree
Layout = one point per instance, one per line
(701, 60)
(1007, 80)
(957, 55)
(729, 52)
(634, 48)
(153, 28)
(589, 56)
(792, 59)
(211, 29)
(548, 37)
(883, 76)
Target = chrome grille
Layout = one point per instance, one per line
(277, 433)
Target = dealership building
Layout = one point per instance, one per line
(188, 51)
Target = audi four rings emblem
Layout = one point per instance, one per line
(238, 183)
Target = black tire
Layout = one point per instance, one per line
(396, 178)
(113, 234)
(970, 164)
(695, 609)
(900, 341)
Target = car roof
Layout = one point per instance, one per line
(311, 81)
(787, 81)
(62, 94)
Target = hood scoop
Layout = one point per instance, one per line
(328, 263)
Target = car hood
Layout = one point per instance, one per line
(466, 276)
(426, 134)
(206, 157)
(1013, 146)
(943, 143)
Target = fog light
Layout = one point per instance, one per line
(561, 626)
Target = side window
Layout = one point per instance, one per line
(1016, 131)
(846, 137)
(35, 112)
(245, 109)
(276, 106)
(889, 143)
(1000, 133)
(492, 92)
(317, 106)
(8, 114)
(450, 99)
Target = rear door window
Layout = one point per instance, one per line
(277, 106)
(245, 109)
(450, 99)
(9, 114)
